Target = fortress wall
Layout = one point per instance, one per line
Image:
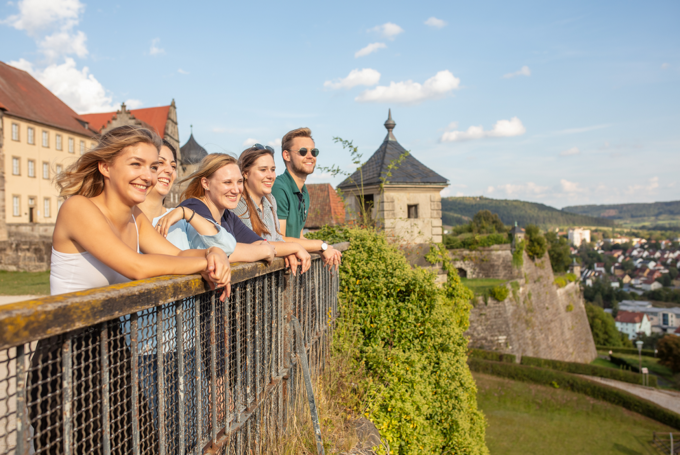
(490, 262)
(538, 319)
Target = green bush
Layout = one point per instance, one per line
(474, 241)
(536, 244)
(571, 277)
(560, 281)
(622, 350)
(602, 326)
(669, 352)
(492, 355)
(577, 384)
(499, 293)
(587, 369)
(518, 254)
(408, 334)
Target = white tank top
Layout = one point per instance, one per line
(73, 272)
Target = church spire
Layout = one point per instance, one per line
(390, 124)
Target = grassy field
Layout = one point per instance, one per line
(534, 419)
(479, 285)
(24, 283)
(663, 374)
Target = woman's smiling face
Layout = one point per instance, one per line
(133, 172)
(167, 171)
(224, 187)
(261, 175)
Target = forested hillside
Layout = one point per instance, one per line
(652, 214)
(460, 210)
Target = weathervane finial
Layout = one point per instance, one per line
(390, 124)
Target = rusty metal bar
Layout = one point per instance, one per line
(106, 388)
(257, 304)
(179, 335)
(134, 335)
(22, 422)
(249, 344)
(213, 369)
(227, 358)
(67, 394)
(238, 399)
(199, 375)
(160, 351)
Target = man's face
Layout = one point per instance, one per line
(301, 164)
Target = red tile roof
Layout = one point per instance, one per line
(630, 317)
(325, 208)
(24, 97)
(155, 117)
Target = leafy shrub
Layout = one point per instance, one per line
(602, 326)
(669, 352)
(590, 370)
(577, 384)
(571, 277)
(492, 355)
(560, 281)
(331, 234)
(536, 244)
(408, 335)
(518, 254)
(558, 252)
(570, 308)
(515, 291)
(499, 293)
(622, 350)
(472, 242)
(624, 364)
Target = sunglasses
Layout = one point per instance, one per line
(303, 152)
(262, 147)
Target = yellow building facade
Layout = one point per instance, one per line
(33, 154)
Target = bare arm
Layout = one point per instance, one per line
(202, 226)
(253, 252)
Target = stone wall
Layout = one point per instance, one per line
(538, 319)
(490, 262)
(25, 255)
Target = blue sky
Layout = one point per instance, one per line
(554, 102)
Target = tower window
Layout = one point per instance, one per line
(412, 210)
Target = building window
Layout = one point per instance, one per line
(16, 166)
(31, 135)
(366, 202)
(31, 168)
(46, 138)
(412, 210)
(16, 205)
(664, 317)
(59, 169)
(58, 141)
(46, 170)
(46, 207)
(15, 132)
(71, 145)
(82, 147)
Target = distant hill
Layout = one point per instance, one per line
(634, 215)
(459, 210)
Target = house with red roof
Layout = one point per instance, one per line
(326, 208)
(632, 322)
(41, 136)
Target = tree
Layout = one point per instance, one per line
(558, 251)
(536, 244)
(485, 222)
(598, 300)
(627, 265)
(673, 272)
(669, 352)
(603, 327)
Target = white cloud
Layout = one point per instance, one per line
(502, 128)
(388, 30)
(37, 17)
(570, 152)
(155, 47)
(523, 71)
(77, 88)
(275, 143)
(133, 104)
(63, 43)
(571, 187)
(373, 47)
(366, 76)
(250, 141)
(650, 187)
(409, 92)
(181, 71)
(435, 23)
(490, 189)
(665, 66)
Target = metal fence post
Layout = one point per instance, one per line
(135, 382)
(159, 377)
(22, 423)
(106, 390)
(179, 337)
(67, 394)
(213, 370)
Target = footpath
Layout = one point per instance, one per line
(664, 398)
(5, 299)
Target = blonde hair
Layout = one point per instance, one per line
(287, 140)
(83, 177)
(209, 165)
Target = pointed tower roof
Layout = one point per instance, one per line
(410, 172)
(192, 152)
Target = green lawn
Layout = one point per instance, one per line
(534, 419)
(24, 283)
(664, 374)
(479, 285)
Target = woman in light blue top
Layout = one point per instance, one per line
(181, 226)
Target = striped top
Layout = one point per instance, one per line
(268, 216)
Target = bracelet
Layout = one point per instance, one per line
(183, 214)
(192, 216)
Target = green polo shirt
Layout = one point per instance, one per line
(289, 207)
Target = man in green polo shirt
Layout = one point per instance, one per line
(292, 199)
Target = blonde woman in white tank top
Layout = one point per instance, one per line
(97, 241)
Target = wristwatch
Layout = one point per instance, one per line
(324, 246)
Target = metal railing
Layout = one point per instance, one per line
(668, 443)
(162, 365)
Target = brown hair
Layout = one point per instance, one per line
(208, 166)
(245, 162)
(287, 140)
(83, 177)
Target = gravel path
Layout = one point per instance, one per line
(5, 299)
(665, 398)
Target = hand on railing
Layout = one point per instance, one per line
(332, 257)
(300, 257)
(218, 271)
